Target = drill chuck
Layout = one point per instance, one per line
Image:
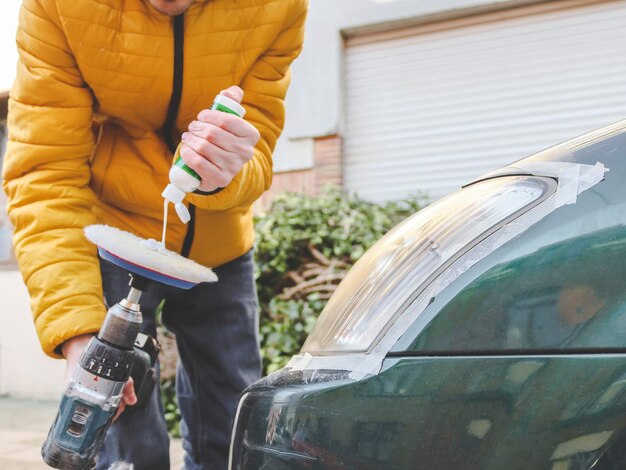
(122, 323)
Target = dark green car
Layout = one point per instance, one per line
(487, 331)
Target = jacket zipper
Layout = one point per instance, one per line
(172, 112)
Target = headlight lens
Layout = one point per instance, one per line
(401, 263)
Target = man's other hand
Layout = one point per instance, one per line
(72, 350)
(219, 144)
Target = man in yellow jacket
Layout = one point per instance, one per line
(104, 91)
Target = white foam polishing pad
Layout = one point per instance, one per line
(147, 258)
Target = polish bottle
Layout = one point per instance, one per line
(185, 180)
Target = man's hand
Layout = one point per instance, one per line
(219, 144)
(72, 350)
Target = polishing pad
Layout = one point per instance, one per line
(147, 258)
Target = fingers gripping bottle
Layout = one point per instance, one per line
(185, 180)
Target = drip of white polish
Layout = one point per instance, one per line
(165, 207)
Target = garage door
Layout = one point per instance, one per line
(431, 108)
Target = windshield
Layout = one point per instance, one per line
(572, 297)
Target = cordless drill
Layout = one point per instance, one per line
(93, 394)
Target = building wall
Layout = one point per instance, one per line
(328, 166)
(315, 98)
(8, 51)
(327, 169)
(25, 371)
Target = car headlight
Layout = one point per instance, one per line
(402, 263)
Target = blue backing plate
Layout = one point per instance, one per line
(145, 272)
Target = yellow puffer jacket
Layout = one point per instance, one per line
(94, 83)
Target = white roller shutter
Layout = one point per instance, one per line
(432, 110)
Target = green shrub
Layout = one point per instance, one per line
(304, 246)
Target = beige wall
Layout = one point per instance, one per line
(24, 369)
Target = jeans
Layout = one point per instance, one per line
(216, 327)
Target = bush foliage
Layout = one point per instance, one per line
(304, 247)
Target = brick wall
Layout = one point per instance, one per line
(328, 167)
(327, 170)
(302, 181)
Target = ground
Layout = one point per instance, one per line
(24, 425)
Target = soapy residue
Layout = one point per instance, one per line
(153, 245)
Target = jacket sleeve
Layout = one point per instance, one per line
(265, 86)
(46, 177)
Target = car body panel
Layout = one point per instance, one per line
(519, 363)
(440, 412)
(543, 301)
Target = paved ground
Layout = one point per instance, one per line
(24, 425)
